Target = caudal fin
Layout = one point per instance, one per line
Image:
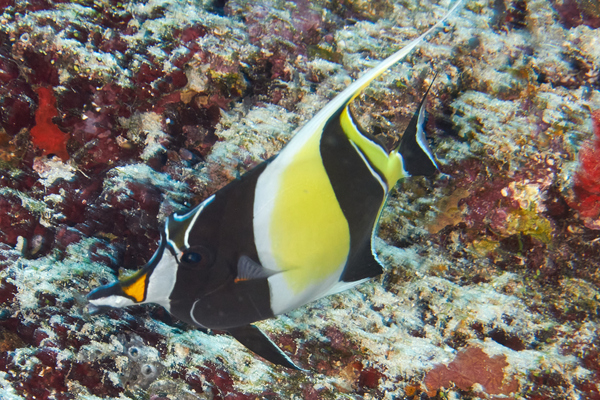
(417, 157)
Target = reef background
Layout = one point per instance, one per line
(115, 114)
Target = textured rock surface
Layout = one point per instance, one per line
(116, 111)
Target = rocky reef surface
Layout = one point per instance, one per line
(114, 114)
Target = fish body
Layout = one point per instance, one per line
(293, 229)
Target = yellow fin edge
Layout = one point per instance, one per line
(389, 164)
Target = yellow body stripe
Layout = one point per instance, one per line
(389, 164)
(310, 237)
(137, 289)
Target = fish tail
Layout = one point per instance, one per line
(417, 157)
(413, 150)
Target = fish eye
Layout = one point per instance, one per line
(196, 256)
(191, 257)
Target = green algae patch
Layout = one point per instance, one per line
(482, 248)
(529, 222)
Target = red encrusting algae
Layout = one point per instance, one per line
(471, 366)
(45, 134)
(587, 178)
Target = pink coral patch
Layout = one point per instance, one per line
(472, 366)
(45, 134)
(587, 178)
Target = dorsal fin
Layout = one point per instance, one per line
(352, 91)
(417, 157)
(388, 164)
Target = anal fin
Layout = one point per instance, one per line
(360, 269)
(362, 265)
(254, 339)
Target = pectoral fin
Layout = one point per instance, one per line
(254, 339)
(249, 270)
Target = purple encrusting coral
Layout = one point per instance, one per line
(492, 280)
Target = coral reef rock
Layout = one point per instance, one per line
(113, 115)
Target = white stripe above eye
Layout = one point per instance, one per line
(193, 213)
(193, 222)
(199, 207)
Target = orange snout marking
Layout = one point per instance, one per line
(137, 289)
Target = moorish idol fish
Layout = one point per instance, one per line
(297, 227)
